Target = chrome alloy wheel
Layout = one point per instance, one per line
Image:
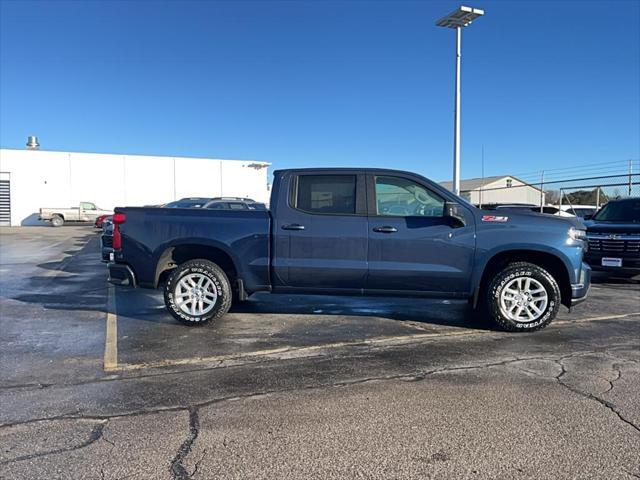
(523, 299)
(195, 294)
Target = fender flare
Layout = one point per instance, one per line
(163, 253)
(485, 259)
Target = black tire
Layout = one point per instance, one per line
(211, 271)
(57, 221)
(507, 275)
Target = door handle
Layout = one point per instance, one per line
(293, 226)
(385, 229)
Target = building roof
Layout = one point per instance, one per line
(257, 164)
(475, 183)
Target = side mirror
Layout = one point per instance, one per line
(452, 212)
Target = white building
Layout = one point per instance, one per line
(31, 179)
(500, 189)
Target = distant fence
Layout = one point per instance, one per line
(587, 189)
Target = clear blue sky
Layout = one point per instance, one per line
(545, 83)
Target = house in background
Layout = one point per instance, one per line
(499, 189)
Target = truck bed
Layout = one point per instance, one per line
(69, 213)
(150, 234)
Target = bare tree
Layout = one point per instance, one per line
(552, 196)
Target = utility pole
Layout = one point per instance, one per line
(482, 184)
(541, 191)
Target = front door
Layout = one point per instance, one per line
(321, 234)
(413, 247)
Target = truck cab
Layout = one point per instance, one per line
(350, 231)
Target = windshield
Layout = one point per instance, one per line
(625, 211)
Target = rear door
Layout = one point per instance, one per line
(320, 232)
(413, 247)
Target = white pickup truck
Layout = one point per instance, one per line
(84, 212)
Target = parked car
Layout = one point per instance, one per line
(100, 220)
(614, 237)
(84, 212)
(496, 206)
(527, 207)
(106, 222)
(582, 211)
(359, 232)
(106, 243)
(551, 210)
(239, 199)
(190, 202)
(234, 205)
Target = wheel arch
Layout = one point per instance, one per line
(551, 262)
(170, 256)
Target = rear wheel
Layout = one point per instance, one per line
(57, 221)
(523, 297)
(197, 292)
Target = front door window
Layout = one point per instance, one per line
(400, 197)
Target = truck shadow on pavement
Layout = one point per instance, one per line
(612, 279)
(455, 313)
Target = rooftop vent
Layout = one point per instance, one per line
(32, 143)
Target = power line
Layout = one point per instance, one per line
(602, 171)
(579, 167)
(592, 171)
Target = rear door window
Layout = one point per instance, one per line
(326, 194)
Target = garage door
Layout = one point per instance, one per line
(5, 203)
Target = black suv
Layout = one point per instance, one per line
(614, 237)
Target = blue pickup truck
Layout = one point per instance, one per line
(355, 232)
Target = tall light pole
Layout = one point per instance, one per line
(457, 19)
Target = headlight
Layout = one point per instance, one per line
(577, 234)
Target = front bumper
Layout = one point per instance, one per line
(579, 291)
(629, 264)
(121, 275)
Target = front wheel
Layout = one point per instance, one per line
(197, 292)
(523, 297)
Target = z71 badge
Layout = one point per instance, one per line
(494, 218)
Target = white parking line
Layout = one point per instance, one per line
(595, 319)
(293, 352)
(111, 335)
(288, 352)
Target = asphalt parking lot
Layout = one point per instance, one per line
(99, 382)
